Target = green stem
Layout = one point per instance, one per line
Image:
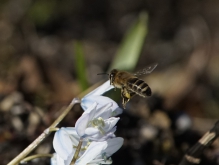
(25, 160)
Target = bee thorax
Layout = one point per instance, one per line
(117, 85)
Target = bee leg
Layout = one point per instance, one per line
(132, 94)
(125, 96)
(122, 92)
(124, 101)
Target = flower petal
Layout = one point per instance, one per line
(69, 159)
(62, 144)
(91, 107)
(110, 123)
(117, 112)
(93, 111)
(105, 111)
(53, 160)
(94, 149)
(113, 145)
(101, 89)
(74, 136)
(100, 137)
(82, 123)
(96, 161)
(100, 161)
(57, 160)
(91, 131)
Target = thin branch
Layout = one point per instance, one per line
(38, 140)
(53, 129)
(77, 152)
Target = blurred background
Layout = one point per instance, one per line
(51, 51)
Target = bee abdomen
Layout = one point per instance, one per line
(139, 87)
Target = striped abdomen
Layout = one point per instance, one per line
(139, 87)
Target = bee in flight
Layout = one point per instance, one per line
(130, 84)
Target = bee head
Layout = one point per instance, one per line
(112, 75)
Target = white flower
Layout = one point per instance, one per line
(95, 125)
(66, 140)
(95, 129)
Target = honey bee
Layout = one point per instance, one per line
(130, 84)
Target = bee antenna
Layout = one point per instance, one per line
(103, 73)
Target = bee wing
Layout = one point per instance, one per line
(146, 70)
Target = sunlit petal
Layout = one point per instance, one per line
(101, 89)
(86, 102)
(82, 123)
